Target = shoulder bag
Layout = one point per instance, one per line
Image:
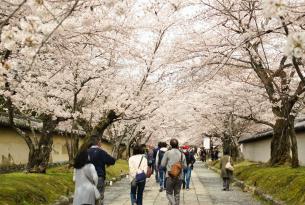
(229, 165)
(176, 168)
(141, 176)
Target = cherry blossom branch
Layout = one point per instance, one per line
(252, 118)
(4, 22)
(53, 31)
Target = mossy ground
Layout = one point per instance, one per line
(33, 189)
(283, 183)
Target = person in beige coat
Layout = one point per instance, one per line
(225, 173)
(137, 164)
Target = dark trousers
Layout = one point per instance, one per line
(226, 183)
(101, 189)
(136, 193)
(173, 187)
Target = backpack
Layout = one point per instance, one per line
(161, 154)
(176, 169)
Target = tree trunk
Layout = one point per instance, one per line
(116, 148)
(294, 144)
(72, 144)
(280, 143)
(100, 128)
(128, 149)
(75, 145)
(121, 151)
(230, 146)
(39, 159)
(69, 146)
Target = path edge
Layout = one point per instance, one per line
(251, 189)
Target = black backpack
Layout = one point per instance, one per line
(161, 154)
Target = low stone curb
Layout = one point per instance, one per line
(65, 200)
(252, 189)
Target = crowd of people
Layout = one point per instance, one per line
(171, 164)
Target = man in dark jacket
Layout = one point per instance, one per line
(99, 158)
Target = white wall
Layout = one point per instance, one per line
(301, 148)
(14, 150)
(12, 146)
(259, 151)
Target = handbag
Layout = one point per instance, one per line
(149, 172)
(229, 165)
(141, 176)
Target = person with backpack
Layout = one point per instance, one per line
(174, 162)
(99, 158)
(137, 172)
(190, 160)
(162, 170)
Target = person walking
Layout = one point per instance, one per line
(99, 158)
(156, 171)
(187, 172)
(226, 172)
(174, 162)
(150, 159)
(162, 170)
(203, 154)
(137, 166)
(86, 179)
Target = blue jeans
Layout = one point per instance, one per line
(187, 172)
(156, 171)
(161, 178)
(136, 193)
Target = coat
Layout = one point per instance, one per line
(135, 167)
(86, 180)
(171, 157)
(99, 158)
(224, 172)
(163, 149)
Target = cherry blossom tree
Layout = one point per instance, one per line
(266, 38)
(36, 80)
